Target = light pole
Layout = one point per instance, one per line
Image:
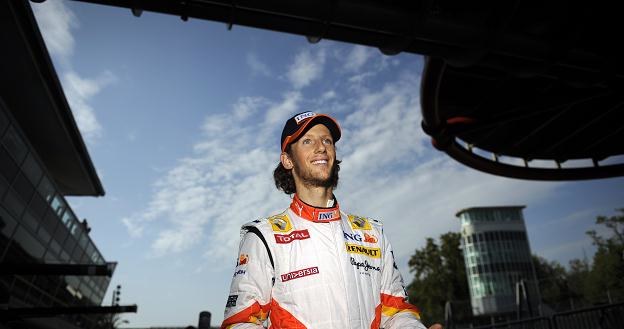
(114, 302)
(116, 294)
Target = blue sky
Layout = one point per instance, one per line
(182, 121)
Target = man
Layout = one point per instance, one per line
(313, 265)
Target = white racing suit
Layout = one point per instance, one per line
(317, 268)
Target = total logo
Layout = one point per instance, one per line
(242, 259)
(294, 235)
(369, 238)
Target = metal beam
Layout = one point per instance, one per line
(57, 269)
(37, 312)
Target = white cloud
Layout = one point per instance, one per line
(328, 95)
(257, 67)
(287, 107)
(358, 56)
(247, 106)
(79, 91)
(55, 23)
(307, 67)
(389, 172)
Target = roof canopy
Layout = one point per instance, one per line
(30, 89)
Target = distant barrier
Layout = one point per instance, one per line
(609, 316)
(601, 317)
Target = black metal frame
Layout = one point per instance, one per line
(444, 137)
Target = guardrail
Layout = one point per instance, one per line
(610, 316)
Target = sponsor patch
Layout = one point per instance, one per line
(231, 302)
(359, 223)
(239, 272)
(299, 273)
(328, 215)
(362, 250)
(370, 238)
(280, 223)
(304, 116)
(242, 259)
(352, 236)
(364, 265)
(294, 235)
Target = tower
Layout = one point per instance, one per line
(498, 261)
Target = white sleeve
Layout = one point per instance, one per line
(396, 312)
(249, 300)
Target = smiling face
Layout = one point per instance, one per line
(312, 158)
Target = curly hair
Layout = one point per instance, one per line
(285, 181)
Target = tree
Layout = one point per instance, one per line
(553, 281)
(607, 270)
(439, 276)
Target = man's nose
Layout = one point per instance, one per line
(320, 147)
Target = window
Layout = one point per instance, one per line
(14, 145)
(46, 189)
(23, 187)
(58, 205)
(13, 203)
(4, 122)
(60, 234)
(29, 243)
(44, 235)
(8, 168)
(31, 169)
(30, 221)
(69, 244)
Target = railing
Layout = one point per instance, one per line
(610, 316)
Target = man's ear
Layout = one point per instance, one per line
(286, 161)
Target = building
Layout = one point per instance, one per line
(498, 260)
(52, 274)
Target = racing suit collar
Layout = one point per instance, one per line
(314, 214)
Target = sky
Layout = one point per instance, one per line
(182, 122)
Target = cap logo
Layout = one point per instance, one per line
(304, 116)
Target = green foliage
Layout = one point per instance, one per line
(439, 276)
(607, 270)
(588, 283)
(553, 281)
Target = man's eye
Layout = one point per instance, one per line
(328, 141)
(306, 141)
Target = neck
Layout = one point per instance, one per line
(315, 196)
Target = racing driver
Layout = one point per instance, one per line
(314, 265)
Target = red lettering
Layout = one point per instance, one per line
(299, 274)
(295, 235)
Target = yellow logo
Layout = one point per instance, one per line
(357, 249)
(280, 223)
(359, 223)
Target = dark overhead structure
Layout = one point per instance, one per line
(505, 82)
(52, 275)
(28, 84)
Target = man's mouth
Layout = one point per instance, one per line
(319, 162)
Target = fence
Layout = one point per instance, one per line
(609, 316)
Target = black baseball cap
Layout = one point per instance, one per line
(301, 122)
